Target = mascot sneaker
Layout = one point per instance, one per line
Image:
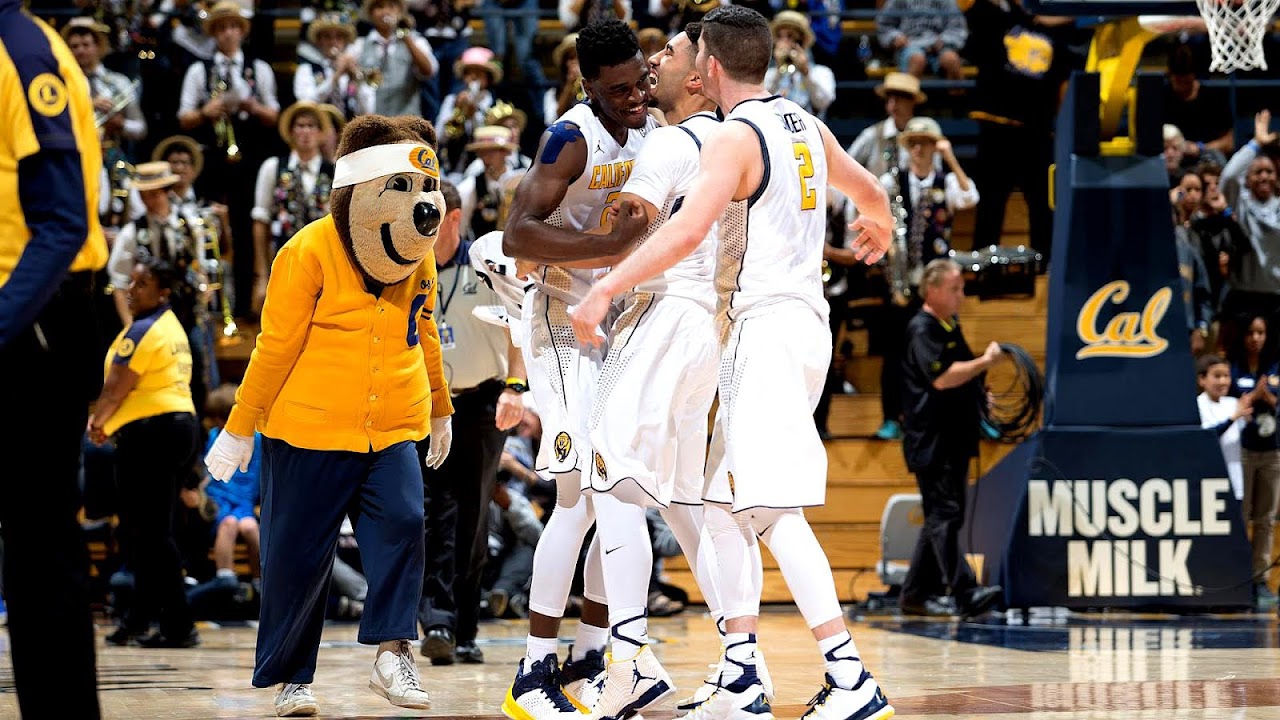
(633, 685)
(864, 702)
(583, 680)
(709, 683)
(296, 700)
(536, 694)
(742, 699)
(395, 677)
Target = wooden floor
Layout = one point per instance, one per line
(1137, 668)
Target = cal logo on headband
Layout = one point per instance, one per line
(424, 158)
(382, 160)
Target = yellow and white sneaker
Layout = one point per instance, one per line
(536, 693)
(633, 685)
(864, 702)
(742, 699)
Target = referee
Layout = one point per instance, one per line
(50, 245)
(486, 374)
(943, 396)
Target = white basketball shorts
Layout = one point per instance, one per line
(765, 447)
(652, 402)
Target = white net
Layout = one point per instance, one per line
(1235, 30)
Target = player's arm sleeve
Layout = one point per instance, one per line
(429, 338)
(51, 193)
(292, 291)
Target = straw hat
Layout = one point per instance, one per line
(491, 137)
(153, 176)
(482, 58)
(796, 21)
(502, 110)
(920, 128)
(225, 10)
(184, 142)
(336, 118)
(366, 7)
(330, 21)
(903, 84)
(88, 24)
(568, 44)
(285, 124)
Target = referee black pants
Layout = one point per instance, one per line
(937, 562)
(51, 372)
(457, 504)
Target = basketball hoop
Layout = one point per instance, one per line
(1235, 30)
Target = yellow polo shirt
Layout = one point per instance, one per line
(45, 105)
(154, 347)
(336, 368)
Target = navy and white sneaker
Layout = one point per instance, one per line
(742, 699)
(709, 685)
(864, 702)
(536, 693)
(583, 680)
(632, 686)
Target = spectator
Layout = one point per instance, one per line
(924, 35)
(558, 100)
(394, 58)
(1197, 295)
(1176, 159)
(481, 192)
(574, 14)
(237, 499)
(514, 529)
(1223, 414)
(1202, 113)
(1249, 185)
(327, 73)
(464, 111)
(876, 148)
(1254, 379)
(447, 26)
(88, 42)
(793, 74)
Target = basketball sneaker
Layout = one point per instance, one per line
(536, 693)
(864, 702)
(295, 700)
(633, 685)
(742, 699)
(395, 677)
(709, 683)
(583, 680)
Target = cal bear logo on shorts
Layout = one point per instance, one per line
(601, 470)
(564, 444)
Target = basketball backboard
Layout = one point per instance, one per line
(1111, 7)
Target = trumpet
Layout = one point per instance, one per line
(456, 126)
(120, 101)
(223, 128)
(208, 223)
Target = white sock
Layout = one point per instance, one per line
(840, 656)
(740, 657)
(588, 638)
(630, 631)
(537, 648)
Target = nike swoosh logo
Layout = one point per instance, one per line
(606, 552)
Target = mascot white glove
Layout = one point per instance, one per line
(230, 451)
(441, 439)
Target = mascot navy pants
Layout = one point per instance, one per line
(305, 495)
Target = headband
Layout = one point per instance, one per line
(381, 160)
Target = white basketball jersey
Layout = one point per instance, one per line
(771, 244)
(589, 195)
(664, 173)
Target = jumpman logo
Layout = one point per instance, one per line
(636, 677)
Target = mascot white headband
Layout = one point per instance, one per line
(381, 160)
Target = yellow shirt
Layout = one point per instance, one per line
(335, 367)
(44, 104)
(155, 347)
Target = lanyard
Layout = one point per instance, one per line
(444, 301)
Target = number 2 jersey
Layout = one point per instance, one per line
(770, 249)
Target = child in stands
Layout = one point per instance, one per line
(237, 499)
(1223, 414)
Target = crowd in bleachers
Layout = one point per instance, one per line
(219, 124)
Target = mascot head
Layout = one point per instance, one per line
(386, 201)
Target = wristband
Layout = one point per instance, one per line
(517, 384)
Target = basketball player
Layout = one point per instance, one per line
(584, 159)
(771, 207)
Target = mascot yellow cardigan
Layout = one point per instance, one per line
(346, 376)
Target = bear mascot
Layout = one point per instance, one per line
(346, 376)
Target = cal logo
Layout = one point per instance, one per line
(424, 159)
(1128, 334)
(601, 470)
(563, 445)
(610, 175)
